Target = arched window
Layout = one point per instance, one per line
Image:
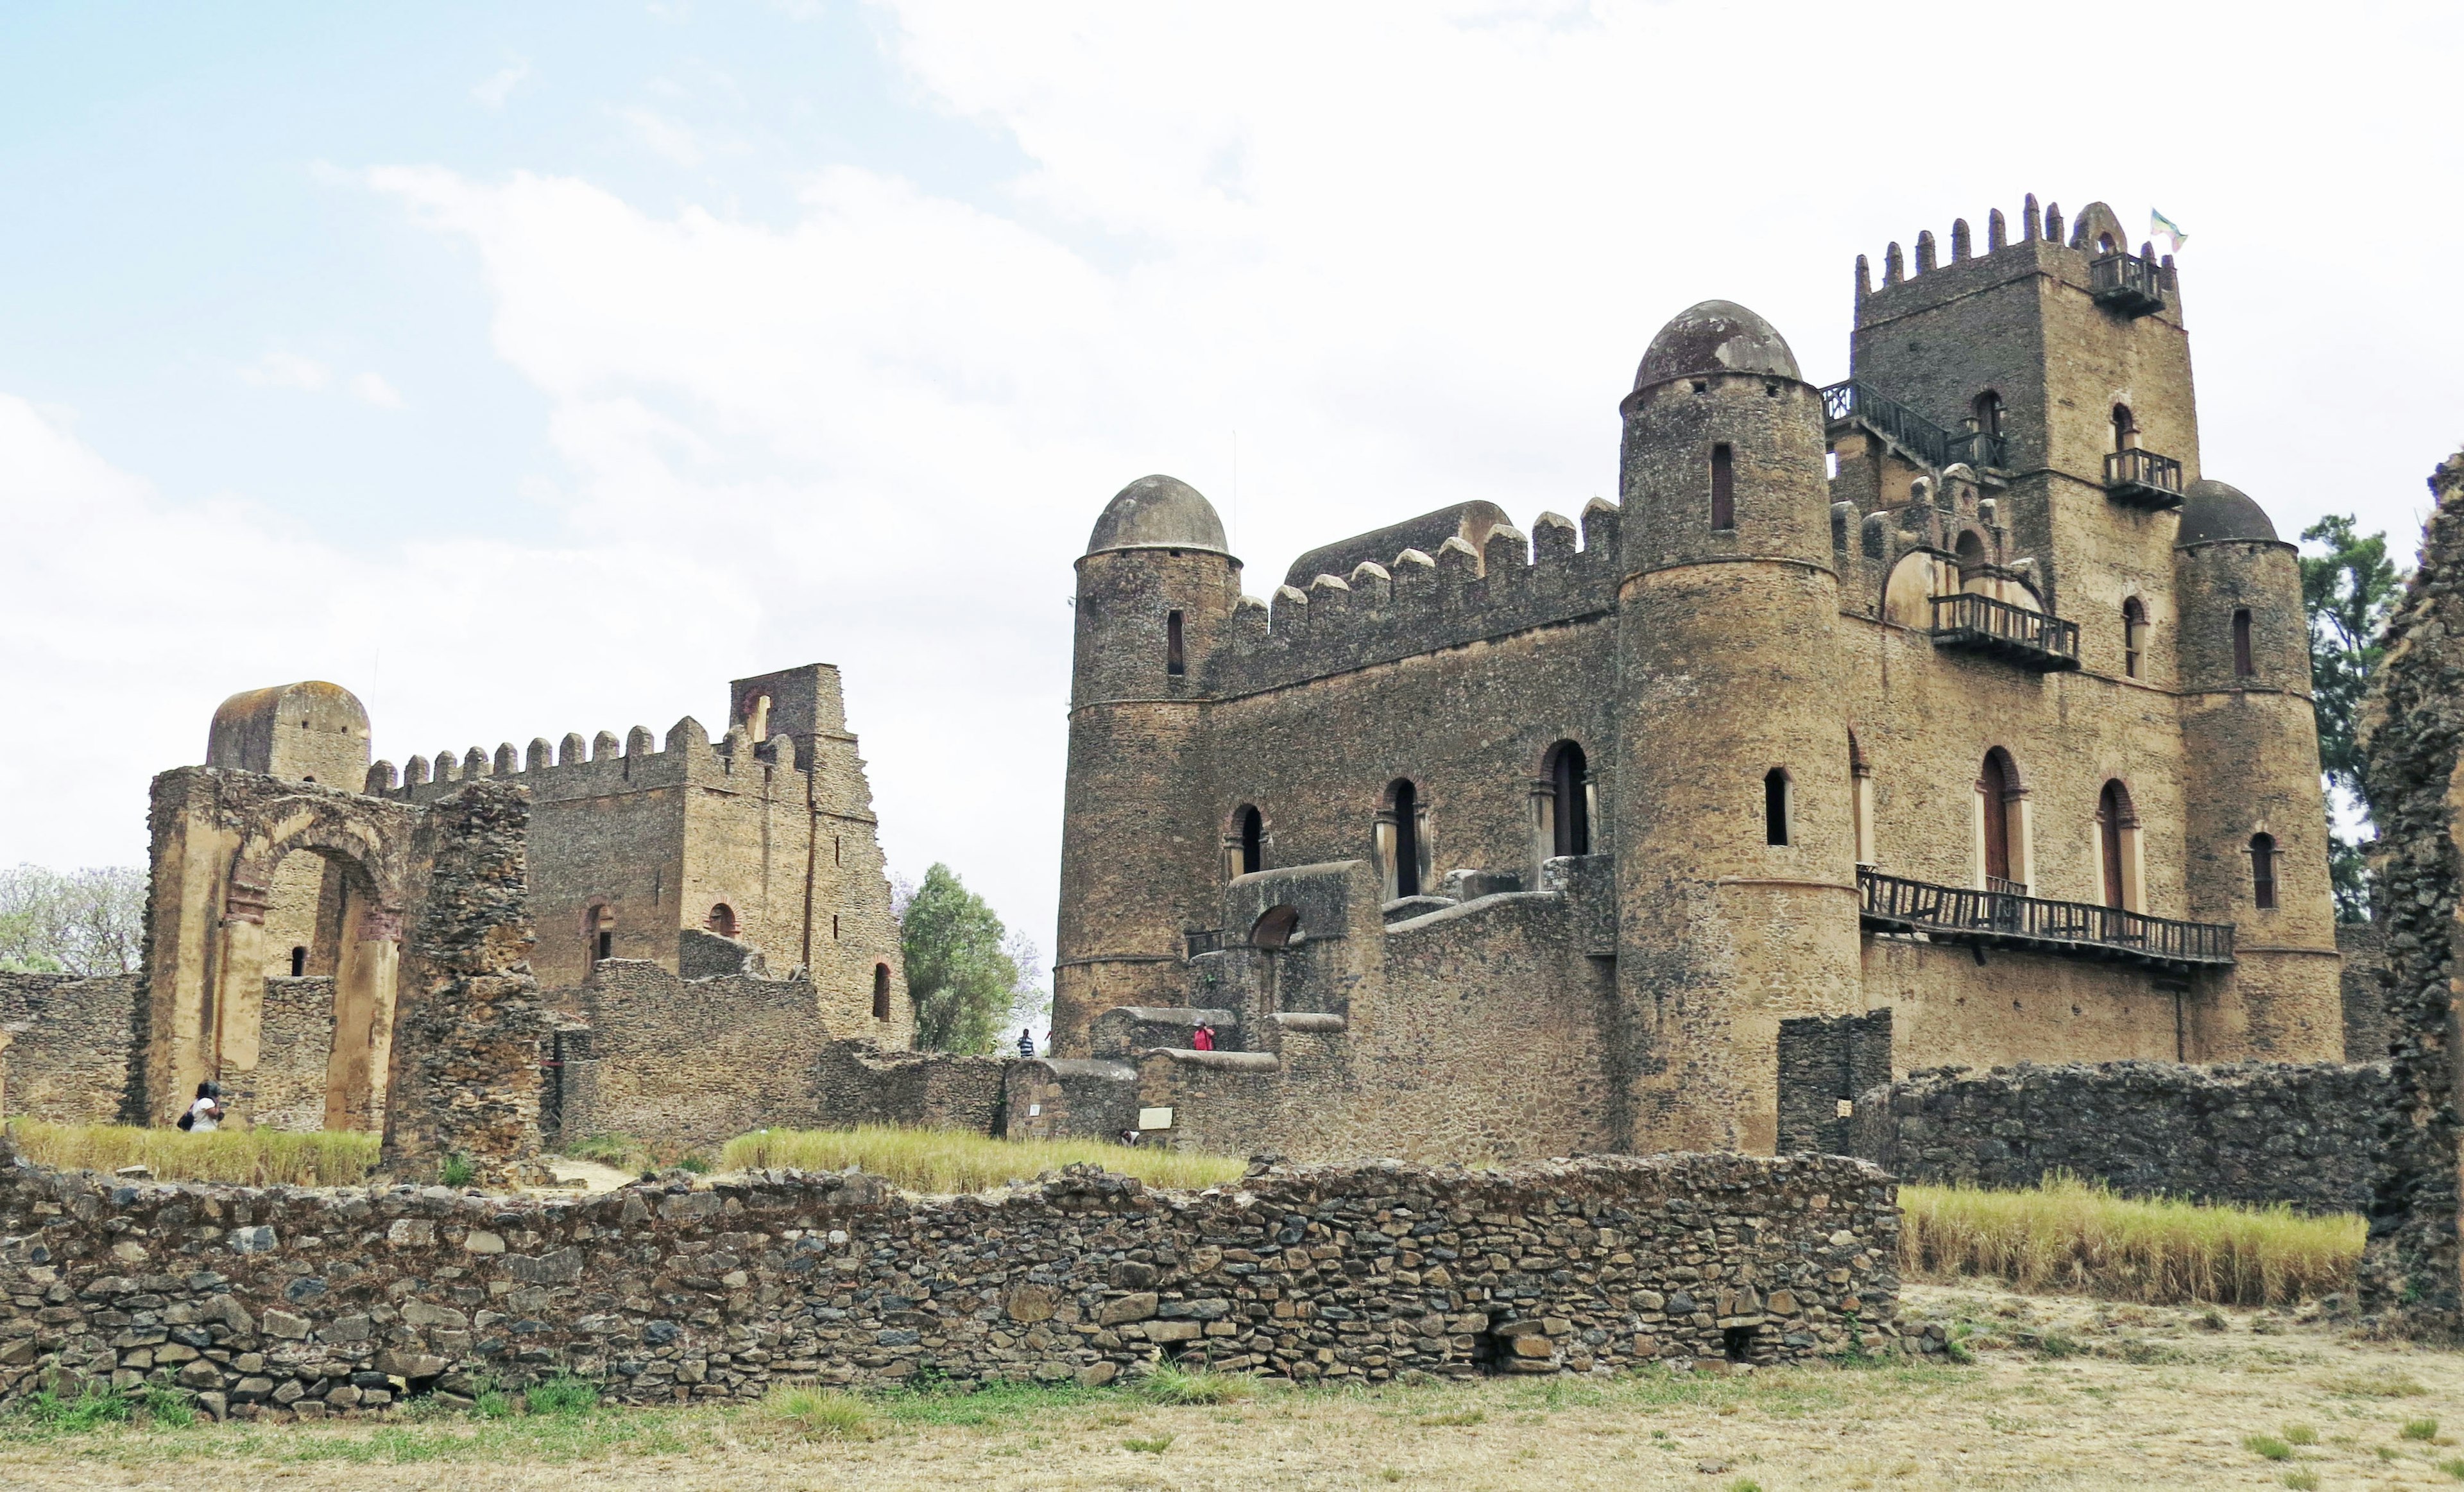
(1174, 661)
(1570, 801)
(1775, 806)
(2134, 635)
(1253, 841)
(2244, 666)
(2262, 871)
(2125, 430)
(1275, 927)
(1401, 834)
(756, 718)
(721, 919)
(1724, 487)
(881, 991)
(1970, 551)
(1861, 801)
(1988, 409)
(2117, 835)
(298, 962)
(2105, 243)
(599, 933)
(1997, 800)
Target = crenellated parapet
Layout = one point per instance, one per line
(570, 770)
(1422, 602)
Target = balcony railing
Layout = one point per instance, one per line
(2143, 479)
(2127, 283)
(2029, 639)
(1965, 914)
(1851, 403)
(1203, 940)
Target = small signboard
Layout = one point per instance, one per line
(1154, 1118)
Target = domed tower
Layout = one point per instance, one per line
(311, 732)
(1141, 855)
(2254, 830)
(1736, 848)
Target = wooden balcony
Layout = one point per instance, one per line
(2143, 479)
(2126, 283)
(2002, 919)
(2015, 634)
(1850, 403)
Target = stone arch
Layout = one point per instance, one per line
(1909, 590)
(1245, 842)
(2003, 841)
(2118, 850)
(1564, 801)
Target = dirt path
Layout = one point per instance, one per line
(2061, 1394)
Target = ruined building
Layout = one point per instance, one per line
(1949, 714)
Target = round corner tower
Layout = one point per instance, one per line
(2256, 815)
(1139, 852)
(1736, 845)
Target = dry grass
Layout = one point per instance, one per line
(2071, 1236)
(955, 1161)
(249, 1157)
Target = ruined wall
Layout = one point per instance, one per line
(1826, 1064)
(2412, 731)
(295, 1045)
(697, 1062)
(861, 1082)
(2253, 1133)
(2362, 989)
(67, 1055)
(283, 1303)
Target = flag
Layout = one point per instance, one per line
(2159, 226)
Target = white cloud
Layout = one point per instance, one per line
(372, 389)
(287, 370)
(493, 91)
(665, 137)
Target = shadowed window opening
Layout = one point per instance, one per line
(1737, 1343)
(834, 927)
(1407, 838)
(1988, 412)
(1174, 661)
(881, 991)
(756, 718)
(1569, 782)
(1775, 806)
(2125, 430)
(2262, 871)
(721, 920)
(599, 933)
(1277, 927)
(2243, 664)
(836, 856)
(298, 962)
(2134, 633)
(1997, 787)
(2116, 821)
(1253, 841)
(1723, 488)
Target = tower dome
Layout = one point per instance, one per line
(2212, 511)
(1158, 513)
(1715, 337)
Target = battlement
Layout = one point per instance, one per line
(2095, 256)
(1423, 602)
(575, 769)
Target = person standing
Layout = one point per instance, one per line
(1026, 1043)
(206, 1114)
(1202, 1039)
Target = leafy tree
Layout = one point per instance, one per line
(967, 976)
(2350, 591)
(89, 922)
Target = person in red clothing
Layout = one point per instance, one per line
(1202, 1039)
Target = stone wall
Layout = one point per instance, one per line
(2363, 945)
(287, 1303)
(860, 1082)
(2255, 1132)
(68, 1042)
(1826, 1064)
(294, 1050)
(697, 1062)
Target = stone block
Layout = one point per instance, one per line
(1172, 1330)
(410, 1365)
(283, 1324)
(1127, 1308)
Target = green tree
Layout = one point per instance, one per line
(966, 974)
(89, 922)
(2349, 589)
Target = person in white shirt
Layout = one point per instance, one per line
(205, 1115)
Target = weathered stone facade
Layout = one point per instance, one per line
(67, 1041)
(2306, 1134)
(1955, 690)
(291, 1303)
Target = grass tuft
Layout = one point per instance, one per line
(2302, 1479)
(561, 1395)
(2453, 1465)
(1171, 1383)
(247, 1157)
(943, 1161)
(2071, 1236)
(820, 1414)
(2424, 1428)
(2300, 1433)
(2267, 1446)
(2376, 1383)
(1156, 1446)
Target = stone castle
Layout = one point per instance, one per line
(1952, 713)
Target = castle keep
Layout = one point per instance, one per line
(1948, 715)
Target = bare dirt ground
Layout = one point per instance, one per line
(2061, 1392)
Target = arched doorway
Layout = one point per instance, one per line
(1999, 827)
(2117, 837)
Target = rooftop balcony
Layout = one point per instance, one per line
(2143, 479)
(2006, 919)
(1850, 403)
(2029, 639)
(2126, 283)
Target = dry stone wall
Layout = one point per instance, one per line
(290, 1304)
(2256, 1133)
(68, 1042)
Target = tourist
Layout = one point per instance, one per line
(1130, 1137)
(1026, 1043)
(205, 1115)
(1202, 1039)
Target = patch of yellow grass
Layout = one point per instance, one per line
(2072, 1236)
(958, 1160)
(249, 1157)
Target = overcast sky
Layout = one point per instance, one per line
(534, 369)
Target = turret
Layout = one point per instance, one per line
(2254, 820)
(1141, 860)
(1735, 844)
(311, 732)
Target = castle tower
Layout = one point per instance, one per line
(1736, 847)
(311, 732)
(2256, 817)
(1140, 851)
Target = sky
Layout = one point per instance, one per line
(534, 369)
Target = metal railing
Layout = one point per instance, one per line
(1960, 913)
(1850, 401)
(2128, 282)
(1969, 619)
(2143, 476)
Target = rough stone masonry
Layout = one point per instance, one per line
(297, 1304)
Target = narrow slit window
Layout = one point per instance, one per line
(2134, 633)
(881, 991)
(834, 927)
(1724, 487)
(1569, 780)
(1407, 838)
(2262, 871)
(1253, 842)
(2243, 664)
(1174, 661)
(1775, 806)
(298, 962)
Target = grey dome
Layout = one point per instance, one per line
(2212, 511)
(1715, 337)
(1158, 513)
